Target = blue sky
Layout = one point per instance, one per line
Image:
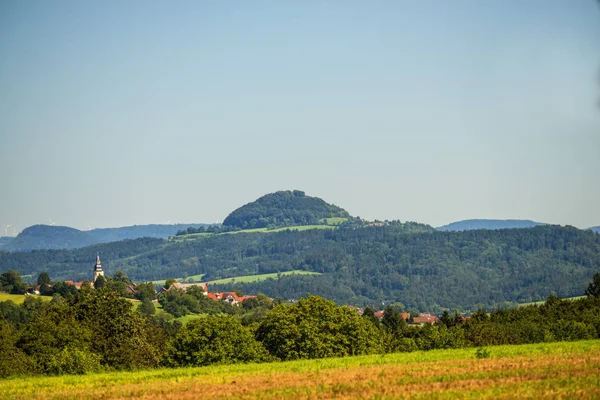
(120, 113)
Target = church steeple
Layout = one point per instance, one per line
(98, 268)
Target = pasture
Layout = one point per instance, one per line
(547, 370)
(20, 298)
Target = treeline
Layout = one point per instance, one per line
(96, 330)
(361, 265)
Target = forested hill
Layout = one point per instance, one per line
(471, 224)
(4, 240)
(595, 229)
(38, 237)
(284, 208)
(428, 270)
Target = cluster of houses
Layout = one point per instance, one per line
(229, 297)
(420, 319)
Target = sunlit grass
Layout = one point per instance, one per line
(20, 298)
(566, 370)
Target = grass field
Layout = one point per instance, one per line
(556, 370)
(261, 277)
(539, 303)
(20, 298)
(194, 278)
(332, 222)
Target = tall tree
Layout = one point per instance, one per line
(44, 278)
(593, 289)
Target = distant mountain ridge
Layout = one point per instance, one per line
(281, 209)
(471, 224)
(595, 229)
(39, 237)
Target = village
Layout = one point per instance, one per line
(131, 290)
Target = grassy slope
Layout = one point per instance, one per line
(245, 278)
(20, 298)
(261, 277)
(539, 303)
(194, 236)
(567, 370)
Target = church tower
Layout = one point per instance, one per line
(98, 268)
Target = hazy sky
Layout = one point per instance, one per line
(119, 113)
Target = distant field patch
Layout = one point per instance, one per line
(20, 298)
(193, 236)
(191, 278)
(189, 236)
(539, 303)
(258, 278)
(547, 370)
(303, 228)
(334, 221)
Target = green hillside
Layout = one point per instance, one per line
(284, 208)
(378, 264)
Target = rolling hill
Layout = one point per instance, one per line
(399, 262)
(39, 237)
(283, 208)
(471, 224)
(595, 229)
(356, 262)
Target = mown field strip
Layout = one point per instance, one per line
(567, 370)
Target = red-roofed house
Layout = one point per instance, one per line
(425, 319)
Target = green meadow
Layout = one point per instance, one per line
(20, 298)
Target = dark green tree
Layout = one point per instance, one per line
(369, 314)
(13, 360)
(593, 289)
(44, 279)
(145, 291)
(214, 339)
(169, 282)
(121, 276)
(392, 320)
(64, 289)
(11, 282)
(147, 307)
(314, 328)
(100, 282)
(124, 339)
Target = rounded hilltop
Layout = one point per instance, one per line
(284, 208)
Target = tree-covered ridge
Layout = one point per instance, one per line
(404, 262)
(38, 237)
(283, 208)
(471, 224)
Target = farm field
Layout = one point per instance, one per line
(554, 370)
(20, 298)
(539, 303)
(191, 278)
